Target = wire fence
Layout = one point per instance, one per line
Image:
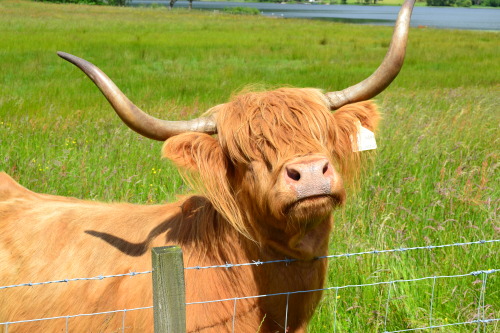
(481, 313)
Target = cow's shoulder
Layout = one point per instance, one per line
(9, 188)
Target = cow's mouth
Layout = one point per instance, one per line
(334, 199)
(315, 205)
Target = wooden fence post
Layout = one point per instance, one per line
(169, 296)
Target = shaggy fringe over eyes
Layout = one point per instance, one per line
(260, 126)
(277, 134)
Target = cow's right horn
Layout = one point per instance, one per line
(386, 72)
(134, 117)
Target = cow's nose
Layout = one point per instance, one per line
(306, 170)
(310, 176)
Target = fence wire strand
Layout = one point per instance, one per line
(288, 260)
(474, 273)
(335, 318)
(254, 263)
(482, 298)
(478, 321)
(432, 303)
(389, 288)
(100, 277)
(73, 316)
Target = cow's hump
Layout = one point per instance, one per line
(9, 188)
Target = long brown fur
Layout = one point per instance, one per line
(45, 237)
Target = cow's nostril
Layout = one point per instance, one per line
(293, 174)
(325, 168)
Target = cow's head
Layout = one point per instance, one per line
(279, 157)
(275, 156)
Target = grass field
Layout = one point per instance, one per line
(435, 179)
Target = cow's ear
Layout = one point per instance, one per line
(204, 166)
(366, 112)
(193, 151)
(345, 147)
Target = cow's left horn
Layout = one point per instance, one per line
(134, 117)
(386, 72)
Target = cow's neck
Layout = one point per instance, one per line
(303, 244)
(217, 243)
(304, 272)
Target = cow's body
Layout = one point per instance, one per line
(45, 237)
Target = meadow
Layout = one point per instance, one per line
(434, 178)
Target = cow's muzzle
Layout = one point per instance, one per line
(310, 177)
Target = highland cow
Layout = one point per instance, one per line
(268, 168)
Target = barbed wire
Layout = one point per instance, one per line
(100, 277)
(474, 273)
(288, 260)
(256, 263)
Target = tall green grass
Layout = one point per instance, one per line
(435, 179)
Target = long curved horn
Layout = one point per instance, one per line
(386, 72)
(131, 115)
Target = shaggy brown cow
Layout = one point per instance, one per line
(268, 183)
